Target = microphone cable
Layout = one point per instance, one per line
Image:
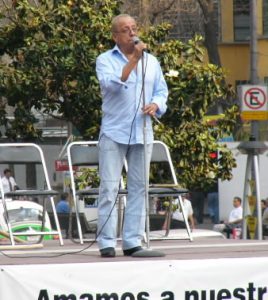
(116, 198)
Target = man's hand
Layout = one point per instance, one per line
(150, 109)
(138, 50)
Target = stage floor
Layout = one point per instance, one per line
(203, 246)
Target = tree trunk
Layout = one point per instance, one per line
(143, 12)
(211, 42)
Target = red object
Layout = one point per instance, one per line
(213, 155)
(236, 233)
(62, 165)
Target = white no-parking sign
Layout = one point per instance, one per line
(254, 104)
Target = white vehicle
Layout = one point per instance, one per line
(24, 216)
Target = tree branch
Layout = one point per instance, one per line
(206, 6)
(161, 9)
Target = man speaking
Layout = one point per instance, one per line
(121, 79)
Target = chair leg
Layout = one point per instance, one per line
(79, 228)
(41, 237)
(56, 220)
(185, 219)
(6, 217)
(168, 217)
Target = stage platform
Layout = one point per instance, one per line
(179, 249)
(208, 268)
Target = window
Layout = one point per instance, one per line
(241, 20)
(265, 17)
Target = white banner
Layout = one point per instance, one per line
(211, 279)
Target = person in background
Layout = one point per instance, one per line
(63, 204)
(8, 181)
(235, 218)
(265, 212)
(263, 205)
(121, 77)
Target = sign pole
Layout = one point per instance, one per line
(254, 60)
(252, 218)
(254, 108)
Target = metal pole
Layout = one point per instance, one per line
(254, 59)
(258, 196)
(254, 79)
(146, 177)
(146, 252)
(246, 190)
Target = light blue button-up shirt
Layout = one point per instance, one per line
(123, 119)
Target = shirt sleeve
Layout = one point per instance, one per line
(265, 216)
(13, 182)
(240, 215)
(160, 92)
(108, 76)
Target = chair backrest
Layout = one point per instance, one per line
(84, 155)
(24, 154)
(160, 153)
(18, 155)
(81, 153)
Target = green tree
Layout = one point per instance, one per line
(52, 49)
(194, 87)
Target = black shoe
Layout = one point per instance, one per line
(107, 252)
(129, 252)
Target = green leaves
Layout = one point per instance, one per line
(87, 178)
(51, 51)
(194, 87)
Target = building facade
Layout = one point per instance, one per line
(234, 39)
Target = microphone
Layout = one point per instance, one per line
(136, 40)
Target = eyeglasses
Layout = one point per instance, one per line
(128, 30)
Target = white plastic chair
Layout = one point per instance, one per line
(85, 154)
(161, 154)
(23, 154)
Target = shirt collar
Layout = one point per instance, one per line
(116, 49)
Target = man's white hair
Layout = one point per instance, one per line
(117, 18)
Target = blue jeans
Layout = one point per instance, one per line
(111, 160)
